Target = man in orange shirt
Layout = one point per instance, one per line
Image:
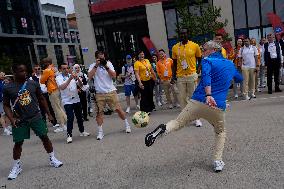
(48, 78)
(164, 71)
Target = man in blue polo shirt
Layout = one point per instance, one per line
(208, 100)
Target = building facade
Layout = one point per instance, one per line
(117, 26)
(20, 23)
(62, 43)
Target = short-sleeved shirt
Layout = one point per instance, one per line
(102, 81)
(129, 80)
(144, 68)
(164, 69)
(248, 54)
(27, 106)
(48, 78)
(70, 94)
(186, 54)
(224, 53)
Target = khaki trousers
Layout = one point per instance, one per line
(186, 86)
(60, 114)
(169, 88)
(249, 80)
(216, 117)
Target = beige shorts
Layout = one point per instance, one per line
(111, 99)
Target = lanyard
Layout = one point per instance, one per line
(165, 63)
(184, 50)
(147, 68)
(65, 78)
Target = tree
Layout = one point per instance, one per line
(5, 63)
(201, 22)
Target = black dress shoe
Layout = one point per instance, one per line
(278, 90)
(269, 92)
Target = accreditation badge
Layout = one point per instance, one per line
(147, 73)
(166, 73)
(184, 64)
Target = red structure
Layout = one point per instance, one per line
(113, 5)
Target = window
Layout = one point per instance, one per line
(279, 4)
(41, 50)
(65, 30)
(50, 30)
(253, 13)
(72, 50)
(73, 36)
(171, 21)
(78, 37)
(266, 7)
(239, 13)
(59, 54)
(58, 29)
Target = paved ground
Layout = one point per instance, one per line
(253, 154)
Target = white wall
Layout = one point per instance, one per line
(86, 30)
(227, 13)
(157, 26)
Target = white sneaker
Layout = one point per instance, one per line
(177, 105)
(127, 110)
(138, 107)
(91, 110)
(218, 165)
(236, 96)
(7, 132)
(171, 106)
(16, 170)
(55, 162)
(64, 128)
(198, 123)
(258, 89)
(253, 96)
(100, 135)
(246, 97)
(128, 129)
(59, 129)
(160, 104)
(69, 139)
(84, 134)
(57, 125)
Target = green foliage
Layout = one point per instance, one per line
(5, 63)
(201, 26)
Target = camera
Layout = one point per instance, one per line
(103, 62)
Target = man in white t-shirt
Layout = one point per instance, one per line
(67, 83)
(103, 72)
(248, 57)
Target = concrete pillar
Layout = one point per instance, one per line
(226, 13)
(86, 30)
(157, 26)
(51, 53)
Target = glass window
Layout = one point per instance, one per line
(171, 22)
(253, 13)
(42, 53)
(267, 31)
(59, 54)
(266, 7)
(239, 13)
(255, 33)
(72, 50)
(279, 4)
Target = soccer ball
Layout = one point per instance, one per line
(140, 119)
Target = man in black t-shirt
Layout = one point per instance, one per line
(25, 96)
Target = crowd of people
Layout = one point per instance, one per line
(63, 93)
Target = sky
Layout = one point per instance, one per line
(68, 4)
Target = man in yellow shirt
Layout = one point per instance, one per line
(219, 39)
(185, 55)
(48, 78)
(164, 71)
